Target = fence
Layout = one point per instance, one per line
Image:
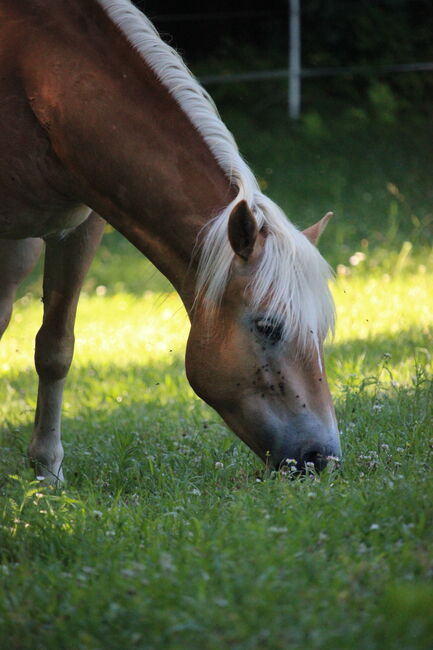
(294, 73)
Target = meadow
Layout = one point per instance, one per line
(169, 533)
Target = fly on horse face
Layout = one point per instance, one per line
(100, 117)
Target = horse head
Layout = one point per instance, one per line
(255, 359)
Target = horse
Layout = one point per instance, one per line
(102, 120)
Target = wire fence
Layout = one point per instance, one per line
(367, 70)
(294, 73)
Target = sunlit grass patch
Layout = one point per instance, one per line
(384, 327)
(382, 305)
(109, 329)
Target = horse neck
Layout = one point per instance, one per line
(135, 156)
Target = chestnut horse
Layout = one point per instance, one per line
(100, 117)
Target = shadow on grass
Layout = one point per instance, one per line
(143, 444)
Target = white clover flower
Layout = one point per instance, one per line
(128, 573)
(357, 258)
(342, 270)
(88, 569)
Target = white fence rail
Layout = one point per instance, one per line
(283, 73)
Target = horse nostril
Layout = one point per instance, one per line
(315, 456)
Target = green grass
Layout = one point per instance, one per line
(154, 544)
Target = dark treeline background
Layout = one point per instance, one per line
(245, 35)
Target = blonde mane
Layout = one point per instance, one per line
(292, 277)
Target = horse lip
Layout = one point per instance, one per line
(312, 447)
(275, 439)
(295, 468)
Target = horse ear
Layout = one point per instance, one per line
(313, 232)
(242, 230)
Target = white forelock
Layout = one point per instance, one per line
(291, 281)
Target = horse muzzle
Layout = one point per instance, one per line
(313, 457)
(306, 443)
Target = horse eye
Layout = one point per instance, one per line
(270, 329)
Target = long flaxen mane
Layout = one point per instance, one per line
(291, 280)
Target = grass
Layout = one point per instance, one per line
(170, 534)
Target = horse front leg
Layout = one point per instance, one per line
(17, 259)
(66, 263)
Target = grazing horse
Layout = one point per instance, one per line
(100, 117)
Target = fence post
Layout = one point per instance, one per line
(294, 98)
